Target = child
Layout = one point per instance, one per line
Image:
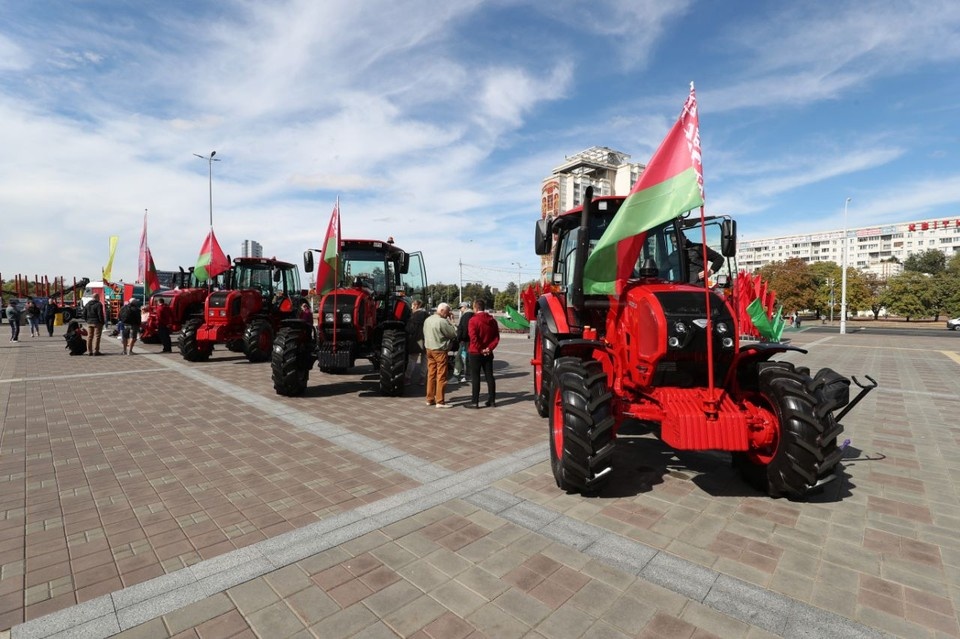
(76, 338)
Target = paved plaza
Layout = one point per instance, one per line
(146, 496)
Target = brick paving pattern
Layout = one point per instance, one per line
(122, 472)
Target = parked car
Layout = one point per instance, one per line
(954, 324)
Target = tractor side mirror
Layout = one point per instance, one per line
(543, 238)
(308, 261)
(405, 264)
(728, 238)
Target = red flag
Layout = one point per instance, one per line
(330, 254)
(146, 270)
(212, 261)
(671, 184)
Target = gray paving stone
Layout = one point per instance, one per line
(623, 554)
(529, 515)
(749, 603)
(94, 610)
(678, 575)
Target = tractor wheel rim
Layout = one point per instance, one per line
(763, 456)
(556, 424)
(538, 368)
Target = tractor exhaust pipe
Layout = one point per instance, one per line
(583, 245)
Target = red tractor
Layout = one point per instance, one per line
(365, 317)
(666, 351)
(185, 301)
(257, 296)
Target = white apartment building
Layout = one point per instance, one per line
(251, 248)
(869, 248)
(609, 172)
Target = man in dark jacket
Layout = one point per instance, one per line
(164, 320)
(416, 353)
(130, 315)
(484, 338)
(50, 311)
(95, 318)
(463, 334)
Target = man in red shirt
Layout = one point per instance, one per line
(164, 319)
(484, 338)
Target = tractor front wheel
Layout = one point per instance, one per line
(191, 349)
(581, 426)
(258, 341)
(544, 351)
(393, 362)
(289, 366)
(804, 452)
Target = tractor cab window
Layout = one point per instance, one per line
(415, 279)
(290, 281)
(255, 277)
(368, 269)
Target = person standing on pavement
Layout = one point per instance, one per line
(164, 319)
(484, 338)
(416, 352)
(463, 335)
(95, 318)
(33, 317)
(439, 334)
(50, 311)
(130, 316)
(13, 316)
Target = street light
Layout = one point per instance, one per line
(843, 280)
(210, 160)
(517, 264)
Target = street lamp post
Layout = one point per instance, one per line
(843, 279)
(210, 160)
(517, 264)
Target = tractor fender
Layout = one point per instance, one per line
(554, 313)
(753, 353)
(576, 347)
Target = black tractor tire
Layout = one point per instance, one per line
(258, 341)
(393, 362)
(291, 361)
(545, 350)
(190, 348)
(68, 315)
(581, 426)
(804, 453)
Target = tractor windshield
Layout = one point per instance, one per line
(267, 278)
(369, 268)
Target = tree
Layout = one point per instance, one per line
(909, 295)
(793, 282)
(876, 287)
(931, 262)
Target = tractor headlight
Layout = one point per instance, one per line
(680, 328)
(727, 342)
(347, 318)
(328, 318)
(673, 342)
(722, 328)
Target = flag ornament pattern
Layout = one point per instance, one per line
(212, 261)
(146, 269)
(670, 185)
(330, 254)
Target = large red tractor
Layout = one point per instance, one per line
(185, 301)
(365, 317)
(653, 353)
(245, 314)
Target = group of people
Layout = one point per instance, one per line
(433, 340)
(86, 341)
(34, 315)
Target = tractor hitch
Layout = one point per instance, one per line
(864, 389)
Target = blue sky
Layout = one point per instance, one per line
(435, 122)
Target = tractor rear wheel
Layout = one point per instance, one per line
(258, 340)
(289, 366)
(393, 362)
(192, 349)
(581, 426)
(804, 452)
(544, 350)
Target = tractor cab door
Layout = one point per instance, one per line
(414, 281)
(692, 232)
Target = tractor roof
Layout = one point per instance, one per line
(387, 246)
(262, 261)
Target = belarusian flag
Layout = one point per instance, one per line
(212, 261)
(327, 269)
(146, 270)
(671, 184)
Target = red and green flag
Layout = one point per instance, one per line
(330, 254)
(146, 269)
(670, 185)
(212, 261)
